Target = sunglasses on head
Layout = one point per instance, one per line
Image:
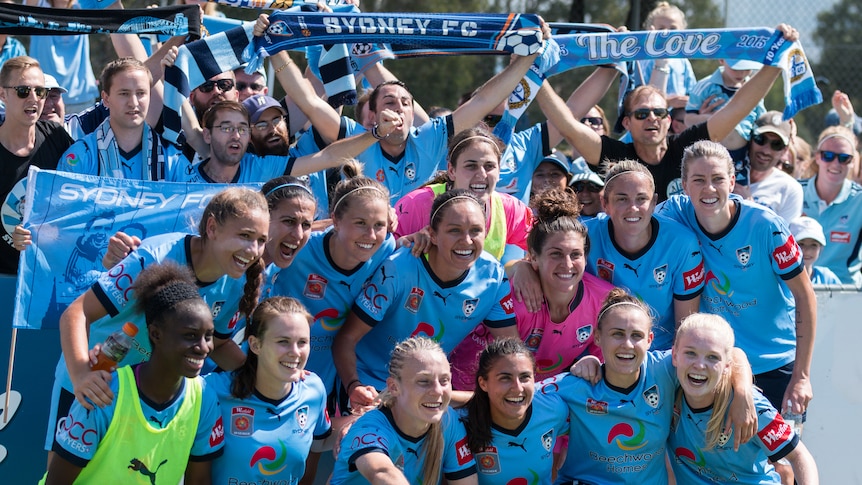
(829, 157)
(23, 92)
(224, 85)
(241, 86)
(592, 121)
(579, 187)
(643, 113)
(776, 144)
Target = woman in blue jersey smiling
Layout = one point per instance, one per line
(511, 429)
(413, 437)
(623, 409)
(226, 261)
(700, 450)
(442, 295)
(275, 410)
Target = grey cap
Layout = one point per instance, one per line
(582, 172)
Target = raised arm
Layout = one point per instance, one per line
(491, 94)
(335, 154)
(323, 117)
(726, 119)
(582, 99)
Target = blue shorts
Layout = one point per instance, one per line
(772, 385)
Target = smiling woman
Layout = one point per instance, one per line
(226, 258)
(164, 418)
(413, 436)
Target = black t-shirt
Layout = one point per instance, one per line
(667, 173)
(51, 142)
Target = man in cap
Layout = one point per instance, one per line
(769, 185)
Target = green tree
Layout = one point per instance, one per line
(838, 37)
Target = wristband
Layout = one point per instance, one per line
(377, 136)
(354, 381)
(664, 69)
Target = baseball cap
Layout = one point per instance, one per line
(561, 160)
(743, 65)
(581, 171)
(259, 103)
(804, 227)
(773, 122)
(51, 83)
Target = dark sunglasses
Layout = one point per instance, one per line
(224, 85)
(579, 187)
(241, 86)
(592, 121)
(776, 145)
(23, 92)
(829, 157)
(643, 113)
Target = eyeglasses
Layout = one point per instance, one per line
(592, 121)
(241, 86)
(230, 129)
(829, 157)
(263, 125)
(776, 144)
(23, 92)
(643, 113)
(579, 187)
(223, 85)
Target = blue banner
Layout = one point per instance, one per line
(72, 217)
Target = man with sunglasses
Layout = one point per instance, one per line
(221, 87)
(646, 117)
(248, 85)
(769, 185)
(25, 141)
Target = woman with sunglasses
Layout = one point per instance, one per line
(755, 277)
(836, 203)
(589, 187)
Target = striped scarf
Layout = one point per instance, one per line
(26, 20)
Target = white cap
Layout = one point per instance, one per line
(51, 83)
(804, 227)
(743, 65)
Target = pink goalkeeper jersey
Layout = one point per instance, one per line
(414, 213)
(555, 345)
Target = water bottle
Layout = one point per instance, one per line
(116, 347)
(793, 419)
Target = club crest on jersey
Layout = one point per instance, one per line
(584, 333)
(315, 287)
(596, 407)
(410, 171)
(743, 255)
(414, 300)
(216, 308)
(659, 273)
(605, 270)
(534, 339)
(651, 396)
(723, 438)
(469, 306)
(241, 421)
(548, 439)
(488, 460)
(302, 417)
